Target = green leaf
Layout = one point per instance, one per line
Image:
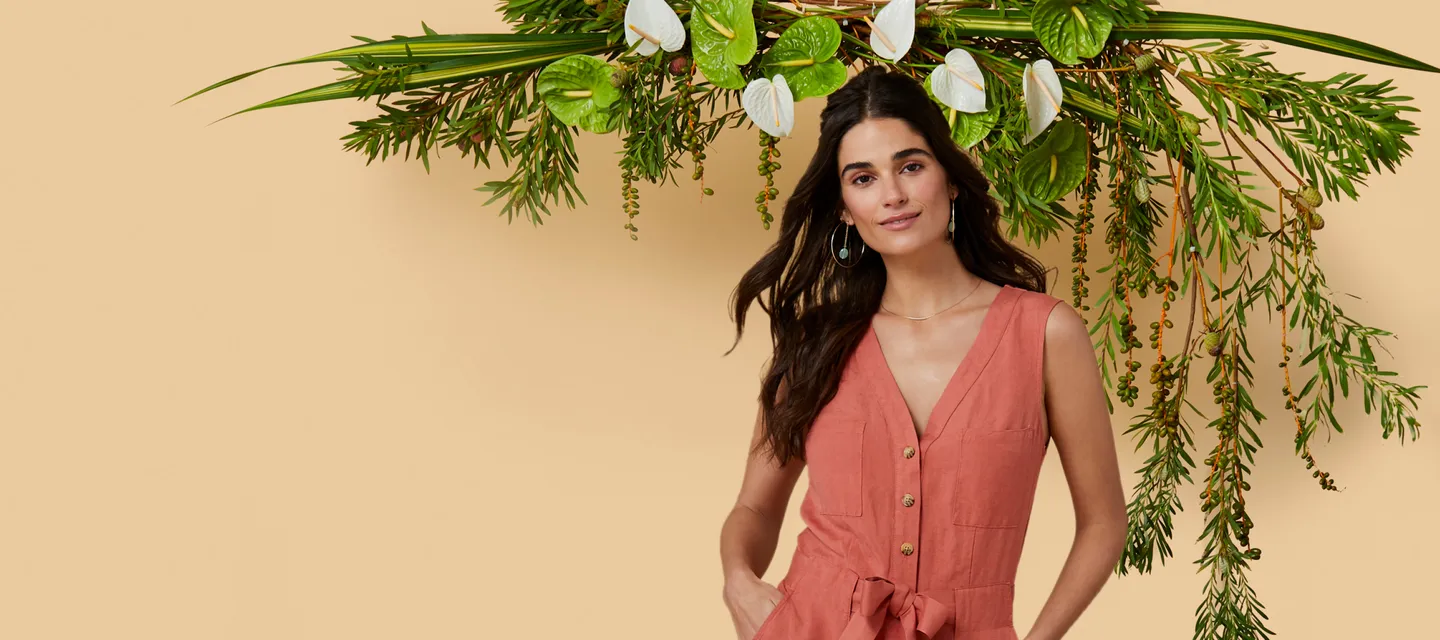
(968, 129)
(428, 30)
(1180, 25)
(1071, 29)
(1057, 166)
(805, 55)
(426, 75)
(723, 37)
(577, 90)
(489, 47)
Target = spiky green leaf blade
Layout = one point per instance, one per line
(1180, 25)
(437, 48)
(441, 72)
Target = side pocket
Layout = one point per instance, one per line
(787, 596)
(986, 608)
(833, 453)
(996, 477)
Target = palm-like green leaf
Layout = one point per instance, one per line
(1179, 25)
(494, 48)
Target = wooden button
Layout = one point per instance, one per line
(907, 548)
(908, 500)
(909, 452)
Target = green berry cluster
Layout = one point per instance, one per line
(1243, 524)
(1166, 289)
(629, 192)
(767, 168)
(1125, 386)
(1292, 404)
(1163, 375)
(1227, 462)
(1079, 253)
(684, 71)
(1326, 482)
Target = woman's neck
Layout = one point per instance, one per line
(926, 282)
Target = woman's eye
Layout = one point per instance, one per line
(858, 179)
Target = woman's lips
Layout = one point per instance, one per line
(903, 223)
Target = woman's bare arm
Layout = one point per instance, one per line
(1080, 427)
(751, 531)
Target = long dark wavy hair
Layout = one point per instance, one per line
(819, 311)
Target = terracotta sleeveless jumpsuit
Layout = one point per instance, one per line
(910, 534)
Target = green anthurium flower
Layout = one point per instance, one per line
(805, 55)
(1057, 166)
(577, 89)
(723, 37)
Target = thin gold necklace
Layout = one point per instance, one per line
(972, 292)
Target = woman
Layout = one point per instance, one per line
(920, 372)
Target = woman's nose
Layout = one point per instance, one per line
(894, 194)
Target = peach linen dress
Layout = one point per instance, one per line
(912, 533)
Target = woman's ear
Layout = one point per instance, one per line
(845, 216)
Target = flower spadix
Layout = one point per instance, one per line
(770, 105)
(958, 82)
(893, 29)
(654, 25)
(1043, 96)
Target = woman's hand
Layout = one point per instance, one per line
(750, 600)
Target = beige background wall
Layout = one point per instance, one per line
(251, 388)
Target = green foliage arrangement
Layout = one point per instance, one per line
(1055, 98)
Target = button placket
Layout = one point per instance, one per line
(909, 483)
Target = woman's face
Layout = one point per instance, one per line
(892, 188)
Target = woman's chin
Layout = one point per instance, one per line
(910, 241)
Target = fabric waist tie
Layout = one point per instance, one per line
(879, 597)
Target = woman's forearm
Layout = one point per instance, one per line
(1093, 554)
(747, 543)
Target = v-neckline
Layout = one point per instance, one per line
(961, 379)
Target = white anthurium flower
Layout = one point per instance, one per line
(654, 25)
(770, 105)
(1043, 95)
(958, 83)
(893, 30)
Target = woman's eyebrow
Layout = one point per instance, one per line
(899, 155)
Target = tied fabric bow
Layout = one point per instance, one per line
(916, 611)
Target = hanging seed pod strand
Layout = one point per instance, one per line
(767, 169)
(1084, 225)
(628, 191)
(1292, 402)
(1115, 243)
(692, 140)
(1123, 277)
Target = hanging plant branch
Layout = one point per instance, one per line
(1054, 98)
